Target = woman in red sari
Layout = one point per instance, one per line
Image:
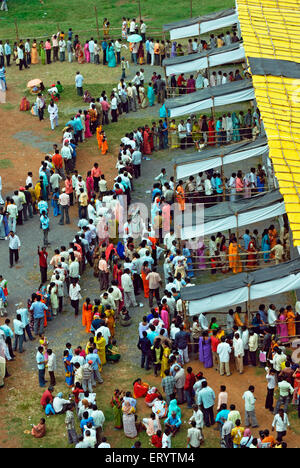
(147, 146)
(151, 140)
(251, 257)
(140, 389)
(211, 132)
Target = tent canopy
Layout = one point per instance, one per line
(201, 24)
(276, 279)
(190, 164)
(209, 58)
(229, 93)
(229, 215)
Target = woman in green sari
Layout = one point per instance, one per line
(116, 403)
(42, 52)
(235, 127)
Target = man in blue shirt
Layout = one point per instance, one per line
(206, 397)
(79, 82)
(45, 227)
(173, 422)
(247, 239)
(96, 363)
(38, 309)
(41, 363)
(222, 416)
(85, 420)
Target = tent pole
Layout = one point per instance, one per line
(249, 305)
(223, 178)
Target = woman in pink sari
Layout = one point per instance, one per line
(164, 314)
(89, 185)
(282, 328)
(87, 52)
(87, 133)
(200, 255)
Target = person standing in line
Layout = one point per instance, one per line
(64, 203)
(19, 333)
(75, 296)
(250, 416)
(23, 312)
(223, 351)
(44, 220)
(14, 248)
(271, 378)
(238, 348)
(70, 424)
(206, 397)
(51, 367)
(194, 436)
(41, 365)
(78, 83)
(154, 283)
(38, 309)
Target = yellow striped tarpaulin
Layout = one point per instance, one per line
(271, 30)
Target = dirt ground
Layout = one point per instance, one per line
(21, 152)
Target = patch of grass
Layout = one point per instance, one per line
(43, 18)
(5, 163)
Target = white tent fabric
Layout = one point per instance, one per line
(221, 100)
(237, 296)
(186, 170)
(201, 63)
(223, 224)
(202, 27)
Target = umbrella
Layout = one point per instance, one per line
(33, 83)
(134, 38)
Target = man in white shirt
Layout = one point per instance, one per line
(272, 318)
(14, 248)
(238, 347)
(203, 322)
(250, 416)
(132, 27)
(194, 436)
(92, 50)
(62, 50)
(127, 285)
(224, 350)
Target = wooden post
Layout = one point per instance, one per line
(17, 31)
(223, 178)
(140, 10)
(97, 24)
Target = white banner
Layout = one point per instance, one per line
(202, 63)
(193, 30)
(186, 170)
(223, 224)
(238, 296)
(229, 98)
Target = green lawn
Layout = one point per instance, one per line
(43, 17)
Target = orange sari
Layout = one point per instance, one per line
(234, 258)
(144, 275)
(99, 136)
(273, 240)
(291, 323)
(87, 317)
